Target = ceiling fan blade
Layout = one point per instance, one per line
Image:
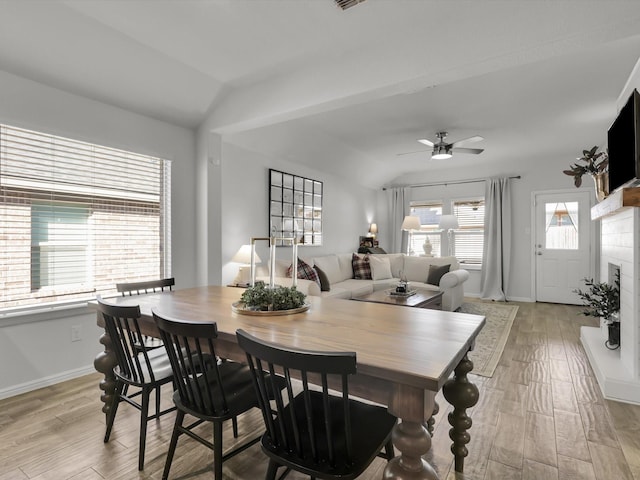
(477, 138)
(468, 150)
(411, 153)
(426, 142)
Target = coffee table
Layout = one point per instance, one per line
(421, 299)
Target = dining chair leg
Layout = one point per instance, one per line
(173, 443)
(217, 450)
(112, 411)
(389, 450)
(234, 423)
(158, 402)
(272, 470)
(144, 414)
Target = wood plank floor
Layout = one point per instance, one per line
(541, 416)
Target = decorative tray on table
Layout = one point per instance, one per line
(393, 293)
(238, 307)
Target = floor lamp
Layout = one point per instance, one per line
(449, 223)
(410, 224)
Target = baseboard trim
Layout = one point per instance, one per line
(46, 381)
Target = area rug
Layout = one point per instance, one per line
(493, 336)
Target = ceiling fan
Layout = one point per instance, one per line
(443, 150)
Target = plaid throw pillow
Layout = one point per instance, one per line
(305, 272)
(361, 267)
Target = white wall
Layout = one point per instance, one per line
(37, 350)
(347, 208)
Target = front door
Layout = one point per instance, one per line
(562, 245)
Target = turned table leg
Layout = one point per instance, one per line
(462, 394)
(104, 363)
(410, 436)
(431, 422)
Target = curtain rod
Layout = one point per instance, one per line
(454, 182)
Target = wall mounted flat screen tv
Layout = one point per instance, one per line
(624, 145)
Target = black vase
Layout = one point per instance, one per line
(614, 336)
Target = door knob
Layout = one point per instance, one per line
(539, 253)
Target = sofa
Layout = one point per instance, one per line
(337, 278)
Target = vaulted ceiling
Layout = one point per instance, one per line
(305, 81)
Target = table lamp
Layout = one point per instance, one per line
(448, 223)
(243, 257)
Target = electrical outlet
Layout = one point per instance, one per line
(76, 333)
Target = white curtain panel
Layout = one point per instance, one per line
(398, 208)
(496, 260)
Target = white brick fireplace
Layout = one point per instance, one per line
(618, 371)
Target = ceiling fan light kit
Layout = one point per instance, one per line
(443, 150)
(441, 153)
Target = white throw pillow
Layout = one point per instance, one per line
(380, 267)
(416, 269)
(396, 260)
(330, 266)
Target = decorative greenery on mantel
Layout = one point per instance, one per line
(261, 298)
(594, 163)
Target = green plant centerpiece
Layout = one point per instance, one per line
(261, 298)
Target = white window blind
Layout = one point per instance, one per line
(469, 236)
(77, 218)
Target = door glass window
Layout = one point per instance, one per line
(561, 231)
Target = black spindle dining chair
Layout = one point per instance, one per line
(209, 390)
(315, 432)
(147, 370)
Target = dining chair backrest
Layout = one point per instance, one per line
(151, 286)
(191, 350)
(313, 426)
(123, 327)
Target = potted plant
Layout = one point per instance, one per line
(595, 164)
(261, 298)
(602, 300)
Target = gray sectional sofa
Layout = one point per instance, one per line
(386, 270)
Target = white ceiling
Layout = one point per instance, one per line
(344, 91)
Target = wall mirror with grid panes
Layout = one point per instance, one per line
(295, 206)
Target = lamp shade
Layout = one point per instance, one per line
(243, 255)
(411, 223)
(373, 228)
(448, 222)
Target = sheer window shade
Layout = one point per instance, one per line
(77, 218)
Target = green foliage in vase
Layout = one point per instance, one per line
(601, 300)
(260, 297)
(594, 163)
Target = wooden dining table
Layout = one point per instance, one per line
(404, 357)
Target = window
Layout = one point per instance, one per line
(429, 214)
(77, 218)
(561, 232)
(469, 237)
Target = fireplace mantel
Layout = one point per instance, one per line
(623, 198)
